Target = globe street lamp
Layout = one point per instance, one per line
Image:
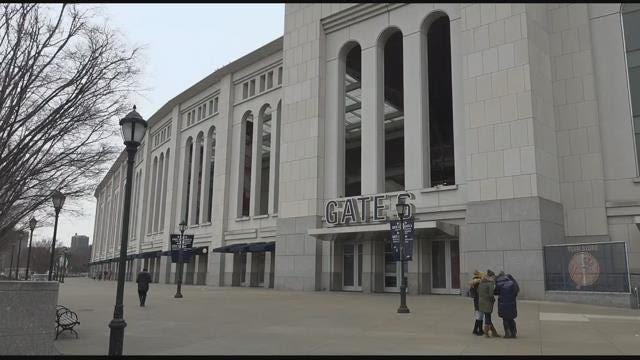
(133, 127)
(402, 209)
(32, 226)
(182, 227)
(58, 201)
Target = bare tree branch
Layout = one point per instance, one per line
(64, 81)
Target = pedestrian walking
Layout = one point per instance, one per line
(143, 279)
(507, 289)
(473, 292)
(486, 299)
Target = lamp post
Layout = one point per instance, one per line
(133, 127)
(58, 201)
(182, 227)
(32, 225)
(13, 249)
(64, 266)
(401, 209)
(18, 259)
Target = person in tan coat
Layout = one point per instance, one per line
(486, 299)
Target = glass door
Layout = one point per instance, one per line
(352, 267)
(445, 267)
(392, 270)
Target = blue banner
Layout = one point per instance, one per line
(408, 238)
(175, 248)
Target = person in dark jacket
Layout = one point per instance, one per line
(486, 291)
(473, 292)
(143, 279)
(507, 289)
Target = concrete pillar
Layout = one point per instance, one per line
(215, 269)
(256, 166)
(268, 273)
(373, 126)
(416, 114)
(367, 267)
(274, 158)
(236, 276)
(334, 131)
(250, 275)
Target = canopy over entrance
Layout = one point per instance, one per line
(244, 247)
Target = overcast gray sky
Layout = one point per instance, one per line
(183, 44)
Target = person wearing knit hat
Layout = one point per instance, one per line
(486, 299)
(473, 292)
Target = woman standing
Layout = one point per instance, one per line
(485, 302)
(473, 292)
(507, 288)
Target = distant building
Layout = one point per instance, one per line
(80, 252)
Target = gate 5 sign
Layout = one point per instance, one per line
(408, 238)
(363, 209)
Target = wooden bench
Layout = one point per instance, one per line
(65, 320)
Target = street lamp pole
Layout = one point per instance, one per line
(400, 208)
(183, 227)
(18, 260)
(133, 128)
(32, 226)
(58, 201)
(13, 249)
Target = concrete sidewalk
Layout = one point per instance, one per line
(254, 321)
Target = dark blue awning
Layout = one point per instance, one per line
(234, 248)
(261, 247)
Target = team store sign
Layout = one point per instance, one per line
(364, 209)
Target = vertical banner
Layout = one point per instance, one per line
(597, 267)
(408, 238)
(175, 248)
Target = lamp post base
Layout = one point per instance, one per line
(177, 296)
(116, 337)
(403, 310)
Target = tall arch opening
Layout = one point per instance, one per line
(352, 82)
(246, 167)
(438, 54)
(393, 111)
(188, 154)
(212, 162)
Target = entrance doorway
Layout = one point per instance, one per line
(445, 268)
(392, 271)
(352, 267)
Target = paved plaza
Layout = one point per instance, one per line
(254, 321)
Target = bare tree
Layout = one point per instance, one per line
(64, 80)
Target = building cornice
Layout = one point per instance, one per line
(356, 14)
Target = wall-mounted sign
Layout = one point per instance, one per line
(363, 209)
(598, 267)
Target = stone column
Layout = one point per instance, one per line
(215, 269)
(274, 159)
(256, 168)
(372, 173)
(334, 131)
(250, 278)
(416, 114)
(268, 273)
(368, 270)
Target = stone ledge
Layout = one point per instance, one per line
(622, 300)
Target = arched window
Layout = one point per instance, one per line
(188, 159)
(393, 111)
(212, 162)
(163, 203)
(198, 183)
(246, 168)
(265, 159)
(153, 194)
(438, 60)
(631, 25)
(352, 80)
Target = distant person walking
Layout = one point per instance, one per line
(507, 288)
(486, 290)
(143, 280)
(473, 292)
